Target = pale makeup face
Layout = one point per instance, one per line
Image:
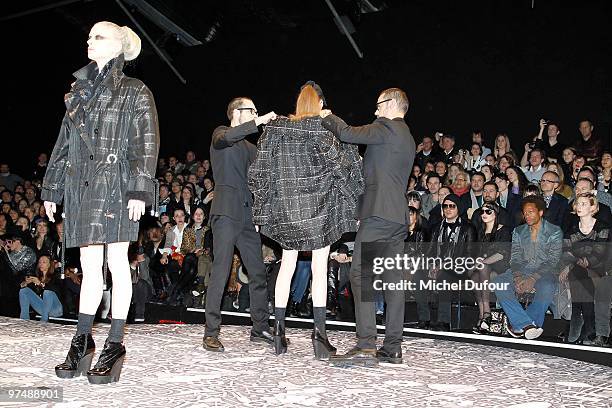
(103, 43)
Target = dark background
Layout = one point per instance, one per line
(493, 65)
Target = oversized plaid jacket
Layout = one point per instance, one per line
(305, 184)
(104, 159)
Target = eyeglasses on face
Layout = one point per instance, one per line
(487, 211)
(253, 110)
(381, 102)
(445, 206)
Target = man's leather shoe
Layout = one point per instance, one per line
(213, 344)
(440, 326)
(263, 337)
(356, 355)
(389, 357)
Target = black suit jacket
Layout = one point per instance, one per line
(230, 157)
(387, 164)
(513, 208)
(556, 210)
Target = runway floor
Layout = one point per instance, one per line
(166, 366)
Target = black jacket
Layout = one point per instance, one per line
(105, 155)
(556, 209)
(387, 164)
(464, 247)
(230, 157)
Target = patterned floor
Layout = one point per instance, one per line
(167, 367)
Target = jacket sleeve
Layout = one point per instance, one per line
(369, 134)
(260, 174)
(143, 148)
(224, 136)
(54, 181)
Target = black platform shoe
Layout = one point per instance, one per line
(280, 342)
(78, 360)
(108, 367)
(323, 350)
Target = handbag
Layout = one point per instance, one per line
(499, 322)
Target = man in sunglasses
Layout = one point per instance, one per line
(383, 216)
(21, 258)
(231, 220)
(452, 238)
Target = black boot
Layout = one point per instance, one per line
(322, 348)
(108, 367)
(280, 342)
(79, 357)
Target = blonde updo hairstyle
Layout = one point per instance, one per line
(130, 41)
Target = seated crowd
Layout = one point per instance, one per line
(540, 224)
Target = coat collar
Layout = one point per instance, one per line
(112, 80)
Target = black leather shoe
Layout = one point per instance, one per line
(280, 341)
(212, 343)
(423, 324)
(78, 360)
(389, 357)
(323, 350)
(598, 341)
(440, 326)
(108, 367)
(356, 355)
(263, 337)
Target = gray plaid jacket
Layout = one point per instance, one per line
(108, 158)
(305, 184)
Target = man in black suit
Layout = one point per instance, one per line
(508, 200)
(556, 204)
(489, 196)
(426, 153)
(231, 221)
(383, 216)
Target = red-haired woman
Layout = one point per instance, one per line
(305, 184)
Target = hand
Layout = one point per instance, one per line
(50, 209)
(542, 123)
(325, 112)
(342, 258)
(136, 209)
(583, 262)
(269, 259)
(527, 147)
(263, 120)
(528, 284)
(164, 259)
(419, 147)
(433, 274)
(34, 280)
(198, 252)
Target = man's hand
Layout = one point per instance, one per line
(419, 147)
(527, 147)
(542, 123)
(164, 259)
(528, 284)
(50, 209)
(325, 112)
(136, 209)
(263, 120)
(583, 262)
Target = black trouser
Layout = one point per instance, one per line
(189, 271)
(583, 299)
(141, 293)
(374, 229)
(228, 233)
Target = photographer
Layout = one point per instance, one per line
(552, 147)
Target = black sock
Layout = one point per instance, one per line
(115, 335)
(319, 319)
(85, 323)
(279, 315)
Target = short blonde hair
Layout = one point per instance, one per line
(398, 96)
(592, 199)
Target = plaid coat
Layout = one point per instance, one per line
(305, 184)
(103, 158)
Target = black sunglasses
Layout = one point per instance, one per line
(445, 206)
(487, 211)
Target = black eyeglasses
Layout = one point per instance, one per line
(253, 110)
(445, 206)
(386, 100)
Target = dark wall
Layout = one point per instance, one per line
(493, 65)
